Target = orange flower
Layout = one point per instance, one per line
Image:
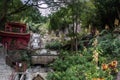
(102, 79)
(94, 78)
(104, 66)
(97, 78)
(113, 64)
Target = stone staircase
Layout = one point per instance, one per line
(5, 70)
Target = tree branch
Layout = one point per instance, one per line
(50, 3)
(19, 9)
(39, 5)
(118, 12)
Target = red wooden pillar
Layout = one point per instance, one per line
(16, 67)
(24, 66)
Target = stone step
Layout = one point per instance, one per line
(5, 70)
(1, 75)
(4, 78)
(1, 64)
(2, 59)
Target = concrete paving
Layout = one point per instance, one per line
(118, 76)
(5, 70)
(33, 72)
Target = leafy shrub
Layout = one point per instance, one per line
(80, 65)
(77, 67)
(68, 61)
(56, 45)
(109, 44)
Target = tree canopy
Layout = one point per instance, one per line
(107, 11)
(97, 13)
(15, 10)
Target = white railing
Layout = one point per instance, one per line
(13, 76)
(23, 76)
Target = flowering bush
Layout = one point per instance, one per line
(79, 66)
(97, 62)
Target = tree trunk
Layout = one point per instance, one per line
(118, 13)
(72, 37)
(76, 28)
(76, 42)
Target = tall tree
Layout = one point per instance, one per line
(15, 10)
(107, 11)
(70, 14)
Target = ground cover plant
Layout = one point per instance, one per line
(100, 61)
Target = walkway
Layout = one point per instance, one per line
(33, 72)
(5, 70)
(118, 76)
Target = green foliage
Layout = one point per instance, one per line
(60, 19)
(19, 54)
(16, 11)
(81, 65)
(109, 44)
(68, 62)
(34, 27)
(32, 14)
(107, 11)
(77, 67)
(55, 45)
(67, 15)
(88, 15)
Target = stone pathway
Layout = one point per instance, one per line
(33, 72)
(5, 70)
(118, 76)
